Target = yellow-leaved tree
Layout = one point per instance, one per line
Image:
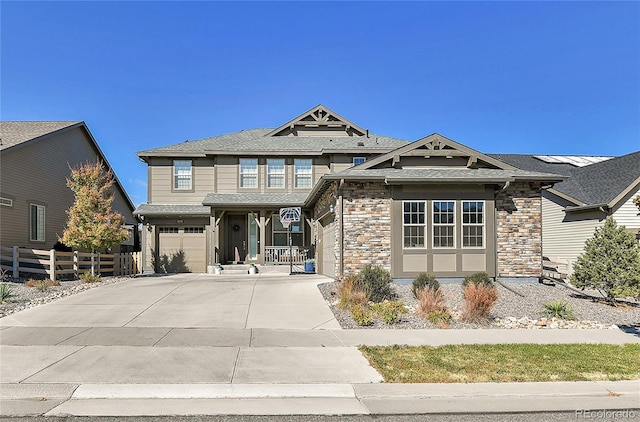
(91, 223)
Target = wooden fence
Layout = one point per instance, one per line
(55, 264)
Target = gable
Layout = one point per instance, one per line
(319, 121)
(435, 151)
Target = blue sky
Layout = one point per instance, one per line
(509, 77)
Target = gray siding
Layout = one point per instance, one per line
(36, 173)
(161, 186)
(627, 214)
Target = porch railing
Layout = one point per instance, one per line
(275, 255)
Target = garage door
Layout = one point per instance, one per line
(182, 249)
(328, 242)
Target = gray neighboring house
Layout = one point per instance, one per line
(35, 158)
(432, 205)
(597, 187)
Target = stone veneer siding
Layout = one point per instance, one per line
(519, 231)
(367, 226)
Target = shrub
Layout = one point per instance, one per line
(477, 278)
(440, 317)
(389, 311)
(423, 280)
(41, 285)
(376, 281)
(479, 299)
(89, 278)
(610, 263)
(430, 300)
(6, 292)
(557, 309)
(361, 315)
(350, 293)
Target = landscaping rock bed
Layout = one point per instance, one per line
(510, 311)
(27, 297)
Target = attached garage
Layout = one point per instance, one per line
(327, 256)
(182, 249)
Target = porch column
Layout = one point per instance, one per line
(262, 242)
(212, 234)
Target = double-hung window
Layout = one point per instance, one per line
(249, 173)
(182, 176)
(36, 223)
(413, 224)
(275, 173)
(472, 224)
(302, 170)
(444, 224)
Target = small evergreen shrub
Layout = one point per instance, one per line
(423, 280)
(88, 278)
(440, 317)
(389, 311)
(477, 278)
(361, 315)
(479, 299)
(557, 309)
(376, 281)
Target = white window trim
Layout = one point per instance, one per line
(434, 225)
(483, 225)
(176, 174)
(424, 226)
(6, 202)
(307, 174)
(280, 172)
(253, 172)
(44, 222)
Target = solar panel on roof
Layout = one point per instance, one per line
(574, 160)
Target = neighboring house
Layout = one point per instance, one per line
(35, 163)
(597, 187)
(432, 205)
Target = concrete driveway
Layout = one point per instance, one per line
(190, 301)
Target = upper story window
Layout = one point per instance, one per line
(182, 176)
(36, 223)
(444, 224)
(303, 174)
(413, 223)
(358, 160)
(7, 202)
(275, 173)
(249, 173)
(472, 224)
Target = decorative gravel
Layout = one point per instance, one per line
(510, 311)
(27, 297)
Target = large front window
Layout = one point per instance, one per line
(444, 224)
(472, 224)
(280, 233)
(413, 224)
(275, 173)
(302, 173)
(36, 226)
(182, 175)
(249, 173)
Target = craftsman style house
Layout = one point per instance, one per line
(34, 196)
(432, 205)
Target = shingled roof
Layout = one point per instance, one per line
(16, 133)
(592, 185)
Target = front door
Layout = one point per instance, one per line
(236, 238)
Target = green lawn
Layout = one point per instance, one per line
(506, 362)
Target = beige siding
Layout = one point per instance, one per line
(627, 214)
(563, 235)
(36, 173)
(227, 174)
(161, 186)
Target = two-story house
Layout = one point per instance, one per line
(217, 199)
(431, 205)
(34, 198)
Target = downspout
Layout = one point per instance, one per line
(341, 222)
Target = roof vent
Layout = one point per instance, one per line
(360, 144)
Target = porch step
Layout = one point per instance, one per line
(230, 269)
(235, 269)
